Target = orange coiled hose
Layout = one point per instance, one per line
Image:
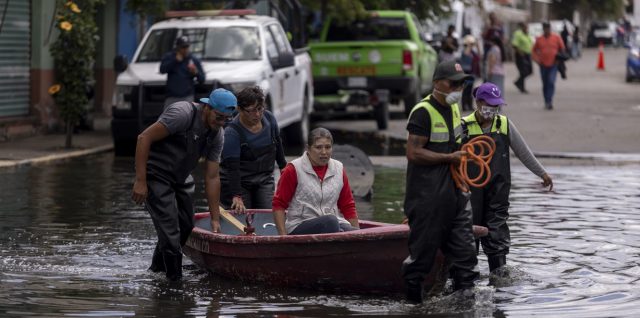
(485, 147)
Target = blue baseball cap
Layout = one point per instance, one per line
(221, 100)
(490, 93)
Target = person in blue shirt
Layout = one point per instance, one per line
(252, 146)
(182, 68)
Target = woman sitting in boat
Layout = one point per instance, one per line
(315, 191)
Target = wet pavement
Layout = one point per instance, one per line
(73, 244)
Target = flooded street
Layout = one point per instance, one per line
(73, 244)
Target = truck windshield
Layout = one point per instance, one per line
(211, 44)
(371, 29)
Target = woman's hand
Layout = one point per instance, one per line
(238, 204)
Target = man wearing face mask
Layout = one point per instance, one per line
(434, 207)
(490, 204)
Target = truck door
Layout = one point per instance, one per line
(290, 82)
(275, 91)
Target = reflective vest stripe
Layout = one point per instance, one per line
(474, 128)
(439, 129)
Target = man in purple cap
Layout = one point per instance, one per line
(166, 153)
(490, 204)
(434, 207)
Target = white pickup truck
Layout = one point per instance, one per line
(236, 51)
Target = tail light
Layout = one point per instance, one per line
(407, 60)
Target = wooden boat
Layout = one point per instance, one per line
(363, 261)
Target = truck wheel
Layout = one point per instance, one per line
(297, 133)
(628, 77)
(412, 99)
(381, 113)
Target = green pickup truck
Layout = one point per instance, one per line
(371, 62)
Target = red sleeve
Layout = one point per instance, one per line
(346, 204)
(286, 188)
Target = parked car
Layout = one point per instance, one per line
(236, 51)
(633, 58)
(601, 31)
(383, 57)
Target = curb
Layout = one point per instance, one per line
(55, 157)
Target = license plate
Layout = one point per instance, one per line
(356, 70)
(357, 82)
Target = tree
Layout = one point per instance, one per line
(610, 9)
(144, 9)
(347, 11)
(74, 56)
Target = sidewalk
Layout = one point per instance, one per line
(596, 114)
(48, 148)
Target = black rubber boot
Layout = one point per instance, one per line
(414, 292)
(157, 263)
(496, 261)
(173, 264)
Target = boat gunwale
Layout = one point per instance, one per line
(376, 231)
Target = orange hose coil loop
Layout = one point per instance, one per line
(485, 147)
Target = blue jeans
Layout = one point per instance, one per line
(548, 75)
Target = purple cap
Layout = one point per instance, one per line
(489, 93)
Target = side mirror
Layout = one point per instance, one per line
(120, 63)
(286, 59)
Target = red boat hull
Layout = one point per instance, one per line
(364, 261)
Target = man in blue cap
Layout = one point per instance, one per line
(490, 204)
(166, 153)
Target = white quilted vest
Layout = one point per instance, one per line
(314, 198)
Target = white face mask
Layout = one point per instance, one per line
(450, 98)
(488, 112)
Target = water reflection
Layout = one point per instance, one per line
(72, 244)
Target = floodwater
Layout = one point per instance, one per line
(73, 244)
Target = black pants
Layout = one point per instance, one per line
(257, 192)
(523, 63)
(467, 99)
(171, 210)
(455, 239)
(491, 209)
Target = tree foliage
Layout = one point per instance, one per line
(598, 9)
(74, 56)
(347, 11)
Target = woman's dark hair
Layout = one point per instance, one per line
(317, 134)
(498, 41)
(249, 96)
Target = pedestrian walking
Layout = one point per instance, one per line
(522, 44)
(166, 153)
(449, 46)
(252, 146)
(495, 66)
(470, 62)
(493, 29)
(490, 204)
(434, 207)
(576, 48)
(544, 52)
(182, 68)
